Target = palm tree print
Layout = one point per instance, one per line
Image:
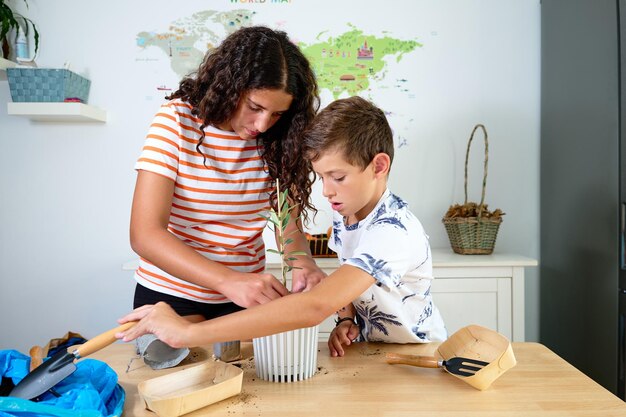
(378, 269)
(380, 218)
(377, 320)
(407, 297)
(427, 312)
(397, 203)
(336, 225)
(380, 212)
(393, 221)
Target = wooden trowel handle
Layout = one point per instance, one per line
(414, 360)
(101, 341)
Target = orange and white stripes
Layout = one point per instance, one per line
(216, 208)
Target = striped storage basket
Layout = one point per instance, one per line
(47, 85)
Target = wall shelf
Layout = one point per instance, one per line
(58, 112)
(5, 63)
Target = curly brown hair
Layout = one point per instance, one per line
(255, 58)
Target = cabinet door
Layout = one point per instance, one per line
(482, 301)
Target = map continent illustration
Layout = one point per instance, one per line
(346, 63)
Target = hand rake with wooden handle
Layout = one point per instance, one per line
(458, 366)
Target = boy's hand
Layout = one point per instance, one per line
(343, 334)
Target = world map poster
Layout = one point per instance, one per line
(351, 61)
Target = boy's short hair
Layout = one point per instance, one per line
(353, 126)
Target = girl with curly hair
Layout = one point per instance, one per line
(206, 174)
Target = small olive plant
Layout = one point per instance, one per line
(13, 20)
(279, 219)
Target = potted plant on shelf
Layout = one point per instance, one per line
(289, 356)
(13, 20)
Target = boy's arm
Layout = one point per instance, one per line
(294, 311)
(347, 311)
(345, 331)
(306, 273)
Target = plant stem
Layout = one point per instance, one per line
(281, 245)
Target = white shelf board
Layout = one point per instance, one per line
(57, 112)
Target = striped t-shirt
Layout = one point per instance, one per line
(216, 208)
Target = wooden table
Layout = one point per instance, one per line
(362, 384)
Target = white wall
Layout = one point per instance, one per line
(67, 188)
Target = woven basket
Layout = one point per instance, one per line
(473, 235)
(47, 85)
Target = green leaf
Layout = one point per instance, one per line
(8, 20)
(293, 207)
(274, 218)
(285, 222)
(36, 38)
(288, 242)
(284, 200)
(298, 252)
(274, 251)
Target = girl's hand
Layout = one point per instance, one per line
(162, 321)
(247, 290)
(306, 276)
(343, 334)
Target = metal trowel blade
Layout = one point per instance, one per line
(45, 376)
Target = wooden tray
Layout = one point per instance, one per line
(184, 391)
(476, 342)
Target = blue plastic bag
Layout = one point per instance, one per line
(91, 391)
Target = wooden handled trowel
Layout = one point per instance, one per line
(474, 354)
(61, 365)
(456, 365)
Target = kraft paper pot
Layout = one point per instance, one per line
(287, 357)
(484, 344)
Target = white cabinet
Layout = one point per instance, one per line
(468, 289)
(481, 289)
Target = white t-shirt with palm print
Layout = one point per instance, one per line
(391, 245)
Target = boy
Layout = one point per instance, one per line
(350, 145)
(386, 267)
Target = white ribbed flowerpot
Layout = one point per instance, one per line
(286, 357)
